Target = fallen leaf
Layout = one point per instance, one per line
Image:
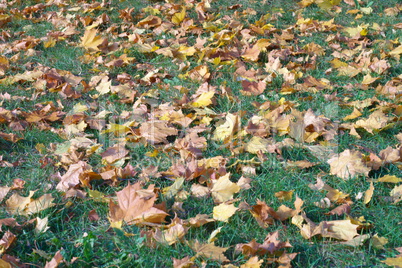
(368, 194)
(6, 241)
(379, 242)
(223, 212)
(396, 194)
(90, 40)
(223, 189)
(348, 164)
(186, 262)
(390, 179)
(41, 225)
(55, 261)
(395, 262)
(210, 251)
(284, 195)
(136, 206)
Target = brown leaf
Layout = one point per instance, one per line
(8, 222)
(137, 205)
(263, 214)
(186, 262)
(114, 154)
(340, 210)
(157, 131)
(73, 175)
(55, 261)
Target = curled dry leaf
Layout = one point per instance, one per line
(6, 241)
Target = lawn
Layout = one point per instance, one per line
(200, 133)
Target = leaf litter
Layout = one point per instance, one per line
(178, 131)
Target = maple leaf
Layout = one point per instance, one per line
(55, 261)
(395, 262)
(228, 129)
(223, 212)
(136, 206)
(157, 131)
(3, 192)
(73, 176)
(348, 164)
(17, 204)
(173, 234)
(90, 40)
(6, 241)
(396, 194)
(379, 242)
(182, 263)
(284, 195)
(223, 189)
(210, 251)
(376, 121)
(253, 262)
(204, 99)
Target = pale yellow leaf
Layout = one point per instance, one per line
(223, 212)
(223, 189)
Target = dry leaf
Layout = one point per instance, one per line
(223, 212)
(90, 40)
(210, 251)
(223, 189)
(348, 164)
(379, 242)
(390, 179)
(368, 194)
(55, 261)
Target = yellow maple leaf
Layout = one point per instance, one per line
(91, 41)
(327, 4)
(204, 99)
(223, 212)
(179, 16)
(356, 113)
(257, 144)
(223, 189)
(210, 251)
(227, 129)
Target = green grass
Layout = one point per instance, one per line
(93, 242)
